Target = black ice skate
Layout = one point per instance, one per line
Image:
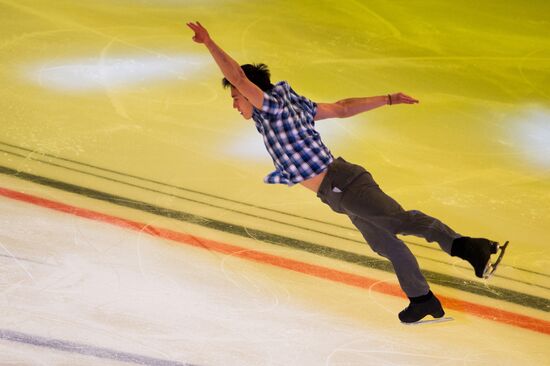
(421, 307)
(478, 251)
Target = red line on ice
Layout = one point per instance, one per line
(482, 311)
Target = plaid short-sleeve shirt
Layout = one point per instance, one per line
(288, 129)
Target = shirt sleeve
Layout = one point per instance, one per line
(273, 102)
(309, 106)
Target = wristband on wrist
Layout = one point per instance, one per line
(389, 99)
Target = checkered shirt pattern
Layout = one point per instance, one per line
(288, 129)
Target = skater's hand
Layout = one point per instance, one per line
(201, 34)
(400, 98)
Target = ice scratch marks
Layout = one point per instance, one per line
(17, 260)
(113, 98)
(375, 298)
(521, 69)
(245, 33)
(394, 31)
(16, 40)
(384, 351)
(256, 285)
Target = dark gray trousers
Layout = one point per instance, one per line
(349, 189)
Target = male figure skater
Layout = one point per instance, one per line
(286, 122)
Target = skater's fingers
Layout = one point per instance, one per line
(405, 96)
(201, 27)
(195, 27)
(407, 99)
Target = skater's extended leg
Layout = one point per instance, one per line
(369, 202)
(419, 224)
(365, 199)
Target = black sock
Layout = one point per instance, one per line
(423, 298)
(458, 249)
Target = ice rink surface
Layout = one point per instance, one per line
(135, 227)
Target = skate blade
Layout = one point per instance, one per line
(430, 321)
(490, 268)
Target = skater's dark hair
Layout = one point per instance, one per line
(258, 74)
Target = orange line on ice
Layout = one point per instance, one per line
(486, 312)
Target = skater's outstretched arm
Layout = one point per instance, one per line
(229, 67)
(350, 107)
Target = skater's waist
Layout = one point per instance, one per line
(340, 175)
(314, 183)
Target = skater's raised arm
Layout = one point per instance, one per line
(352, 106)
(228, 66)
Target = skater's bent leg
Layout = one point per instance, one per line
(403, 261)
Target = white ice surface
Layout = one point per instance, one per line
(72, 279)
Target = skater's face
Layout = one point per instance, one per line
(241, 104)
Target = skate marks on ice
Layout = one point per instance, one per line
(121, 178)
(495, 292)
(519, 320)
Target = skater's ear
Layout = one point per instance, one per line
(254, 81)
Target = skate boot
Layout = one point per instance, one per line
(478, 251)
(420, 307)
